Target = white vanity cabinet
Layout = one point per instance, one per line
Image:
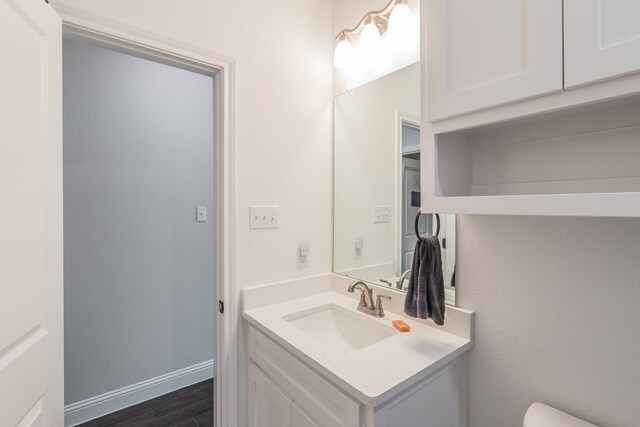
(490, 52)
(436, 402)
(285, 392)
(271, 407)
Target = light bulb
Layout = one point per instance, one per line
(342, 56)
(400, 24)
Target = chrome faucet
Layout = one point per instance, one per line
(366, 304)
(402, 278)
(366, 297)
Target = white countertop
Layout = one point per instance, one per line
(372, 374)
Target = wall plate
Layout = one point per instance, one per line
(263, 217)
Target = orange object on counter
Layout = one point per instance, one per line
(401, 325)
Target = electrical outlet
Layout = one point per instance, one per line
(381, 214)
(263, 217)
(303, 253)
(358, 243)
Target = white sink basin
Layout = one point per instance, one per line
(340, 329)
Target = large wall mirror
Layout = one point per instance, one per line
(377, 184)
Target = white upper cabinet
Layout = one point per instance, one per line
(513, 142)
(602, 39)
(486, 53)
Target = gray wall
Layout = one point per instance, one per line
(139, 270)
(557, 320)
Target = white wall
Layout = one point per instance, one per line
(284, 108)
(366, 169)
(283, 50)
(556, 303)
(138, 159)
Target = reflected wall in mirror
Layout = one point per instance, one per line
(377, 184)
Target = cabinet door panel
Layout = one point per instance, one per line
(486, 53)
(299, 418)
(314, 394)
(436, 404)
(269, 406)
(602, 39)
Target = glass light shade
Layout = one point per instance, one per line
(369, 46)
(342, 56)
(370, 36)
(400, 23)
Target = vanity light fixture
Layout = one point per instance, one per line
(342, 56)
(392, 22)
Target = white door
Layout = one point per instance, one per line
(486, 53)
(602, 39)
(31, 351)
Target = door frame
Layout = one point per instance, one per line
(402, 118)
(120, 36)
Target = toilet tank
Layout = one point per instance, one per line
(541, 415)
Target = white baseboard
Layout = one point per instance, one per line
(94, 407)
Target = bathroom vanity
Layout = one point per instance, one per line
(315, 360)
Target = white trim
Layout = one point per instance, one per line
(410, 149)
(402, 117)
(97, 406)
(126, 36)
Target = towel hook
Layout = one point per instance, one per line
(418, 219)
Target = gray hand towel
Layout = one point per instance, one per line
(425, 295)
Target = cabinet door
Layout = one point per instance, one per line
(602, 39)
(486, 53)
(436, 404)
(299, 418)
(318, 398)
(268, 405)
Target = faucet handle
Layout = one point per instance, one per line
(379, 311)
(388, 283)
(362, 303)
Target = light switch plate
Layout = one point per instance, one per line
(381, 214)
(263, 217)
(201, 214)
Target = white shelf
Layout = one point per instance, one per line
(580, 161)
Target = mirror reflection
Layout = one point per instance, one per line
(377, 184)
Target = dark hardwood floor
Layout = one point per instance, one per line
(188, 407)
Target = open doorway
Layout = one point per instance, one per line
(426, 224)
(140, 240)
